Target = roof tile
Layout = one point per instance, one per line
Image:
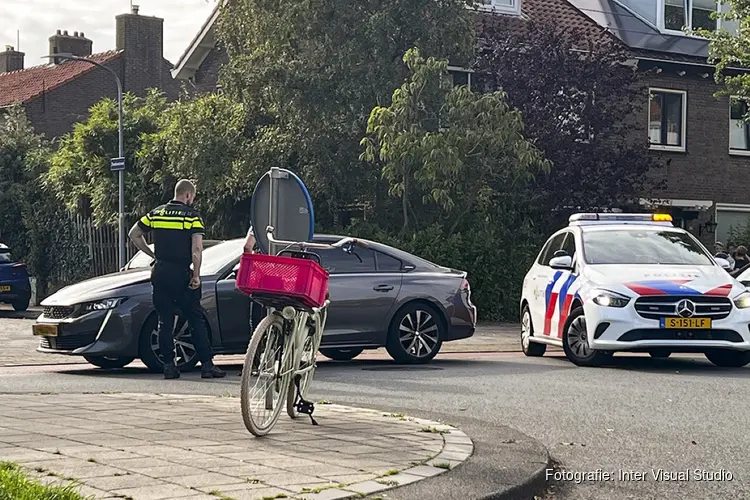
(23, 85)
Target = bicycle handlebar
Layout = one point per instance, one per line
(306, 244)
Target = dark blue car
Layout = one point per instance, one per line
(15, 288)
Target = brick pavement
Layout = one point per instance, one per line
(155, 447)
(19, 346)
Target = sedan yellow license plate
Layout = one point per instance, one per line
(4, 288)
(44, 330)
(688, 323)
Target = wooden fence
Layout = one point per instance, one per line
(102, 244)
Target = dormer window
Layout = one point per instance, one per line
(500, 6)
(678, 16)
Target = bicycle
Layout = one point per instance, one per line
(281, 356)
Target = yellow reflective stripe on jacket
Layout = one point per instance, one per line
(145, 221)
(161, 224)
(174, 223)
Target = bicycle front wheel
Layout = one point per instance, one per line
(307, 365)
(264, 383)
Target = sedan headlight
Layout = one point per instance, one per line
(101, 305)
(742, 301)
(605, 298)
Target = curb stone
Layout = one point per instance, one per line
(532, 486)
(457, 448)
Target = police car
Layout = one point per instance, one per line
(632, 282)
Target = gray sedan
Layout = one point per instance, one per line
(380, 297)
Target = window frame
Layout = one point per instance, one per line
(469, 74)
(493, 7)
(682, 148)
(733, 151)
(661, 11)
(378, 253)
(542, 260)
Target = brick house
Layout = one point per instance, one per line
(59, 94)
(706, 149)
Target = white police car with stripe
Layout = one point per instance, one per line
(632, 282)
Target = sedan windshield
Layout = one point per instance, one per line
(140, 260)
(219, 256)
(639, 246)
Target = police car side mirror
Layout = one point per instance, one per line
(724, 263)
(564, 262)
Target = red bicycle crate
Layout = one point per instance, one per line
(302, 279)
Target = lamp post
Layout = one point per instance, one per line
(121, 148)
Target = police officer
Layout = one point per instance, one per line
(178, 231)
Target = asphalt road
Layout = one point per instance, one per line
(640, 415)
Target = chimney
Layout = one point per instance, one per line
(141, 40)
(77, 44)
(11, 60)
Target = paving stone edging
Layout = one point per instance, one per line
(457, 448)
(97, 456)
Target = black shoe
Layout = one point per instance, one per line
(171, 372)
(210, 370)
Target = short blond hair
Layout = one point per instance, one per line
(183, 187)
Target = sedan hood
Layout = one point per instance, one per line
(635, 280)
(95, 287)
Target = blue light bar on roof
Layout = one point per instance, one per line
(661, 219)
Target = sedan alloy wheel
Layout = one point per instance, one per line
(415, 335)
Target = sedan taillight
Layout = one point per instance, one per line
(466, 291)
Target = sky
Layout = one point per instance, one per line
(37, 20)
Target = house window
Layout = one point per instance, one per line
(739, 130)
(460, 76)
(666, 119)
(504, 6)
(678, 15)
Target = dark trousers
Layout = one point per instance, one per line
(257, 313)
(171, 291)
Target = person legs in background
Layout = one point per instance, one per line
(190, 305)
(164, 294)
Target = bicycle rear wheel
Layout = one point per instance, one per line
(264, 383)
(309, 353)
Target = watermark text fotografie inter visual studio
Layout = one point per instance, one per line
(641, 475)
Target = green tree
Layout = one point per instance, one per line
(221, 145)
(33, 223)
(319, 68)
(445, 145)
(210, 139)
(729, 50)
(576, 94)
(80, 174)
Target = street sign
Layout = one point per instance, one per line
(294, 211)
(117, 164)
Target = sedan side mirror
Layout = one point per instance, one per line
(564, 262)
(724, 263)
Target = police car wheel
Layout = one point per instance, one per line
(186, 355)
(528, 347)
(576, 343)
(727, 358)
